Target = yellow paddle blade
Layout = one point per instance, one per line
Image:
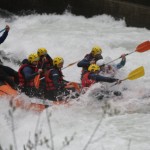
(137, 73)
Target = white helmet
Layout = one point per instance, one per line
(100, 62)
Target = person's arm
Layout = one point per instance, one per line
(55, 77)
(28, 73)
(3, 37)
(122, 63)
(83, 63)
(99, 78)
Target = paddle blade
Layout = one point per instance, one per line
(74, 85)
(137, 73)
(143, 47)
(70, 64)
(37, 81)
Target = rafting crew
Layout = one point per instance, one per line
(91, 58)
(54, 86)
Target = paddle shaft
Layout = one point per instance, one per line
(140, 48)
(119, 57)
(37, 78)
(70, 64)
(118, 83)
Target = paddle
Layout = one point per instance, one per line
(37, 79)
(73, 85)
(135, 74)
(70, 65)
(140, 48)
(2, 30)
(64, 67)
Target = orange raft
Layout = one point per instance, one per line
(6, 90)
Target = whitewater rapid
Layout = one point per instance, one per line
(125, 123)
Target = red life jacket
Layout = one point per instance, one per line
(22, 81)
(49, 82)
(86, 82)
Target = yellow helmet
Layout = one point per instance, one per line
(93, 68)
(96, 50)
(57, 61)
(41, 51)
(33, 57)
